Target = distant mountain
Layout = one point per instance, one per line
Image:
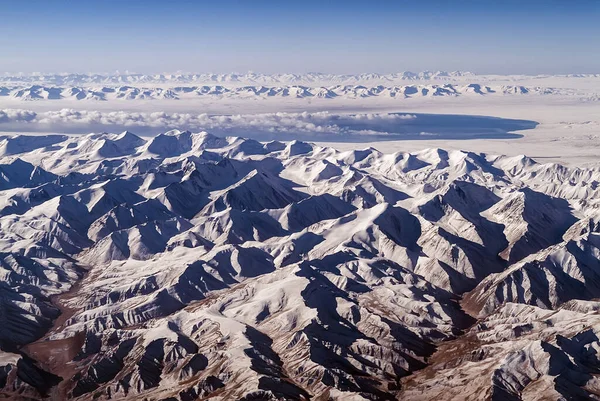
(258, 79)
(189, 266)
(331, 91)
(231, 78)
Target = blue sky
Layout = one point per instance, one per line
(503, 36)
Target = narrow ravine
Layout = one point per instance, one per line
(56, 356)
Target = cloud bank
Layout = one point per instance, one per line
(81, 121)
(317, 126)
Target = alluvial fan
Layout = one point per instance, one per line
(189, 266)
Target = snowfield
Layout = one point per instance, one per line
(191, 266)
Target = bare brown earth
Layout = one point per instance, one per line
(449, 354)
(55, 356)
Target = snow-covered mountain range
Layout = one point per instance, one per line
(253, 78)
(228, 78)
(189, 266)
(356, 91)
(311, 85)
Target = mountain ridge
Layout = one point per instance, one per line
(356, 90)
(191, 266)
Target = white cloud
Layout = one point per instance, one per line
(14, 115)
(319, 123)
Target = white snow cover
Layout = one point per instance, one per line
(189, 266)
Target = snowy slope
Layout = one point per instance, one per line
(189, 266)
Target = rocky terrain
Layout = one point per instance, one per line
(189, 266)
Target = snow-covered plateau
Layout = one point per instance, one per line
(189, 266)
